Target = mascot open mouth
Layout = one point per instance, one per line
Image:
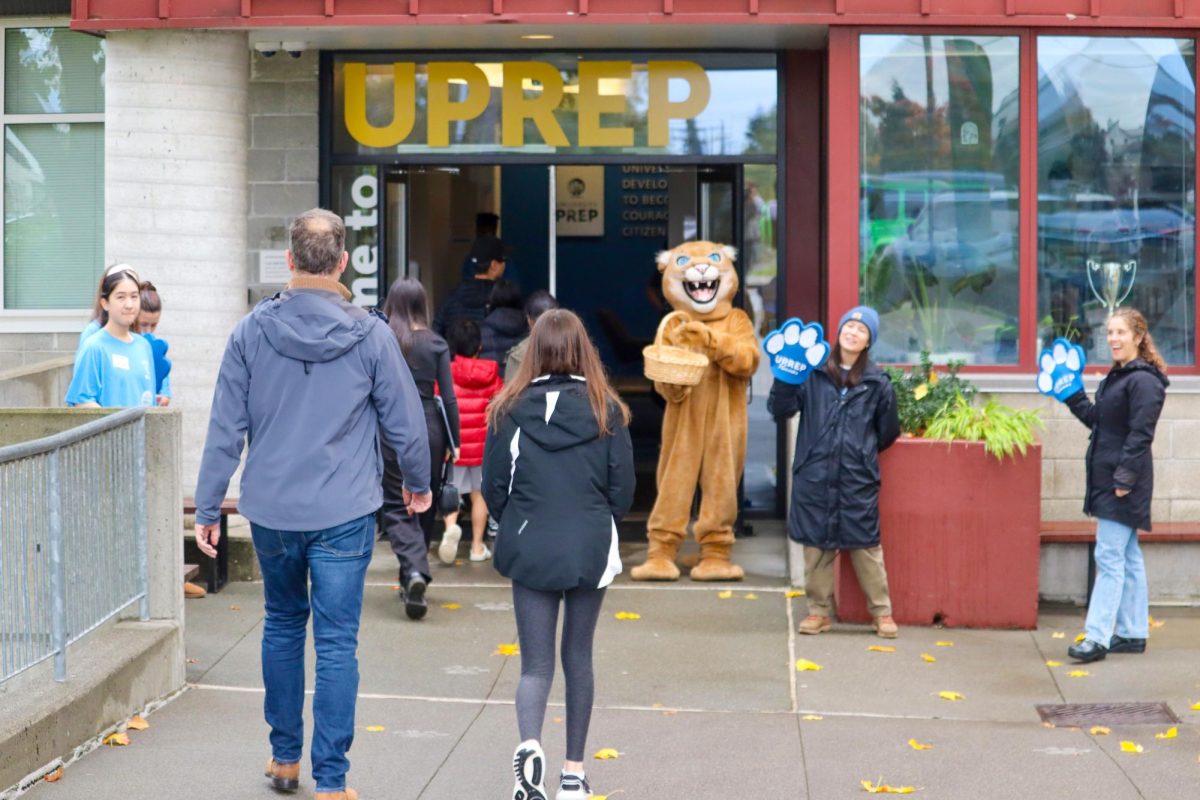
(702, 292)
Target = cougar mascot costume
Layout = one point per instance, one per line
(704, 427)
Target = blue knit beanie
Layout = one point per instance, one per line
(867, 316)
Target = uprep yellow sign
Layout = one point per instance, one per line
(529, 90)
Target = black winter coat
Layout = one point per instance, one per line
(835, 476)
(558, 488)
(469, 300)
(1122, 421)
(502, 329)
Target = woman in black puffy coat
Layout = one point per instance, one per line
(505, 324)
(1120, 485)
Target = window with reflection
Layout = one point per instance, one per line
(1116, 189)
(939, 215)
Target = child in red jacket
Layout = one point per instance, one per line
(476, 382)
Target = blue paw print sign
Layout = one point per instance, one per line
(1060, 372)
(795, 350)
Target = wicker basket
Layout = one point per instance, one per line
(670, 364)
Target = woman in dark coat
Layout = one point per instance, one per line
(558, 474)
(847, 418)
(1120, 484)
(505, 324)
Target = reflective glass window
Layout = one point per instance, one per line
(53, 71)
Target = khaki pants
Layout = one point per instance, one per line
(868, 566)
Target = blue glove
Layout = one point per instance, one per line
(795, 350)
(162, 365)
(1061, 370)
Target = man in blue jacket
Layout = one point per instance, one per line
(311, 382)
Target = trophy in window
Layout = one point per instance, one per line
(1111, 281)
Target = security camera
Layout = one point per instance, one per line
(294, 49)
(267, 49)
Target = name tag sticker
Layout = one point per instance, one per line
(120, 362)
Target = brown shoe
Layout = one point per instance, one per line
(814, 624)
(192, 591)
(345, 794)
(886, 627)
(284, 777)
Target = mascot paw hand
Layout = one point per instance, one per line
(1061, 370)
(692, 334)
(795, 350)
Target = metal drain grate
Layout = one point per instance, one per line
(1080, 714)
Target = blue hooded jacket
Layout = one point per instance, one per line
(310, 382)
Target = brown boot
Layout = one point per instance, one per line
(284, 777)
(715, 564)
(886, 627)
(659, 564)
(345, 794)
(193, 591)
(814, 624)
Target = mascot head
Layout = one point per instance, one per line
(699, 278)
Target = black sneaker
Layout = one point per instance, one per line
(529, 765)
(414, 596)
(1119, 644)
(1087, 651)
(573, 787)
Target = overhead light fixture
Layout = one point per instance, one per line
(537, 36)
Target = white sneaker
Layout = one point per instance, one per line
(573, 787)
(484, 556)
(448, 549)
(529, 765)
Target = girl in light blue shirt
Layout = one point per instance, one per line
(114, 367)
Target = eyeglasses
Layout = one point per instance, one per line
(115, 268)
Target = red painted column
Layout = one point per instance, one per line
(804, 76)
(842, 175)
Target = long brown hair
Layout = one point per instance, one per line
(559, 345)
(405, 307)
(1146, 349)
(833, 367)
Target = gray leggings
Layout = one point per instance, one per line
(537, 625)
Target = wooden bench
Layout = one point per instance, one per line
(218, 568)
(1084, 532)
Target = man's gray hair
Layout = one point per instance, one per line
(318, 239)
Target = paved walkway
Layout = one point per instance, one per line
(699, 696)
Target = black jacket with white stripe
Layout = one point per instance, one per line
(558, 488)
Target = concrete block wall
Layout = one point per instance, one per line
(22, 349)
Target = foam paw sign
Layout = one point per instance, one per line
(795, 350)
(1060, 370)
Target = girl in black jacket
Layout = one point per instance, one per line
(505, 325)
(558, 474)
(1120, 483)
(847, 418)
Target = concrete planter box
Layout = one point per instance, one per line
(960, 534)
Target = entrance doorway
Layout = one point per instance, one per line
(589, 234)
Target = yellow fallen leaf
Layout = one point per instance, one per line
(1099, 730)
(458, 562)
(951, 696)
(452, 606)
(557, 720)
(1078, 673)
(920, 392)
(628, 615)
(725, 595)
(507, 650)
(375, 729)
(1169, 733)
(804, 665)
(879, 648)
(607, 754)
(1080, 638)
(657, 705)
(1157, 623)
(751, 596)
(117, 739)
(933, 378)
(795, 593)
(235, 608)
(812, 717)
(1053, 663)
(1058, 635)
(136, 723)
(1195, 706)
(670, 712)
(883, 788)
(915, 745)
(1131, 747)
(927, 658)
(1048, 725)
(944, 644)
(54, 777)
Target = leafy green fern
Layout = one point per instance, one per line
(1002, 429)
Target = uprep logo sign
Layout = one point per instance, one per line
(529, 91)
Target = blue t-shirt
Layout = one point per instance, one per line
(112, 373)
(91, 329)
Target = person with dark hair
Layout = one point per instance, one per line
(428, 358)
(486, 224)
(505, 325)
(476, 382)
(536, 304)
(470, 299)
(147, 325)
(848, 417)
(114, 366)
(1120, 485)
(311, 382)
(558, 473)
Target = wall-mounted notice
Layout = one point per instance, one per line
(579, 201)
(272, 267)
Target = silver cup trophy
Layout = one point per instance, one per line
(1111, 281)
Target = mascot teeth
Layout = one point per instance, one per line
(702, 291)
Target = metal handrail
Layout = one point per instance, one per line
(59, 440)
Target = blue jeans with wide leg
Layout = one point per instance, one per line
(1120, 599)
(336, 561)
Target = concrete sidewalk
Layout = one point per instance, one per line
(700, 696)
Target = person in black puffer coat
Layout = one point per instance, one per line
(505, 324)
(848, 417)
(1120, 485)
(558, 474)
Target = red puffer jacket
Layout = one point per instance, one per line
(476, 382)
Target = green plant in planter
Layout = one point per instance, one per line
(1003, 430)
(923, 392)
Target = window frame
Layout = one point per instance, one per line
(65, 320)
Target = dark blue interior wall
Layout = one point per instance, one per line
(525, 223)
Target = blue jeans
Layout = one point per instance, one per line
(1120, 600)
(336, 560)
